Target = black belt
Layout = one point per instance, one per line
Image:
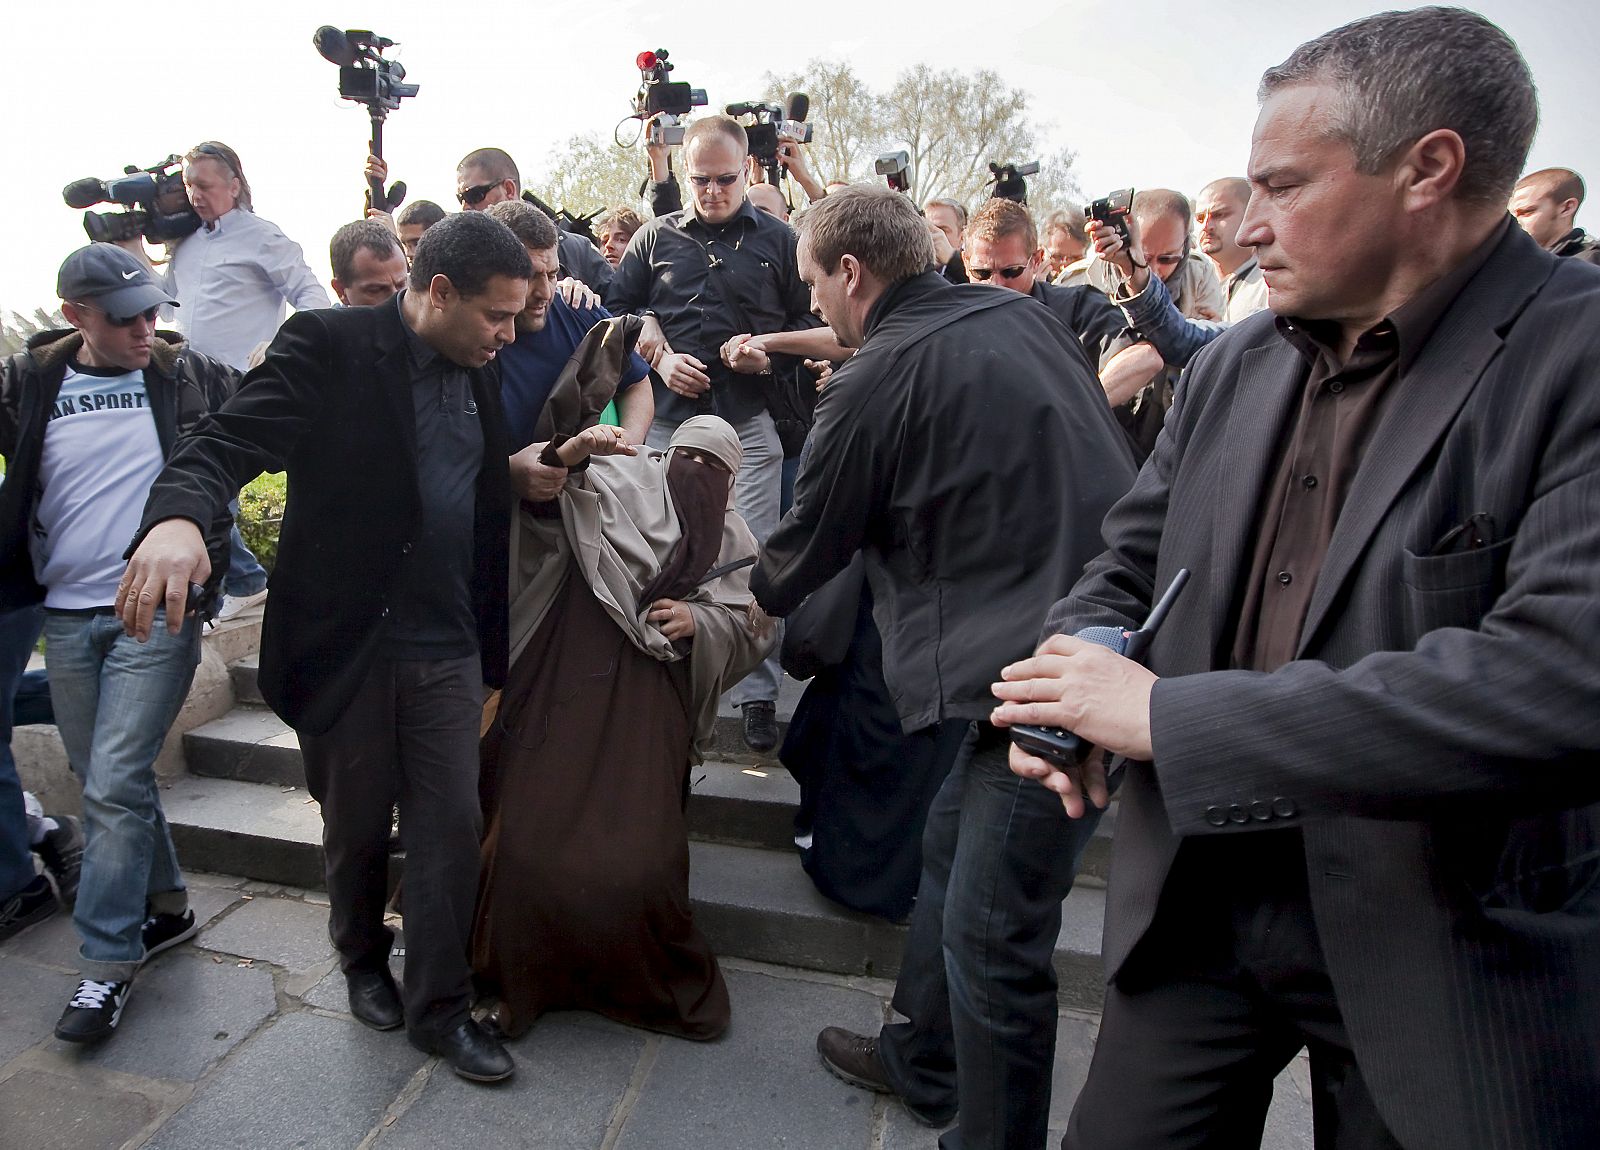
(79, 612)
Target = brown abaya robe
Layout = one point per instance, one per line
(584, 896)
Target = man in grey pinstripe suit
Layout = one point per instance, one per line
(1359, 808)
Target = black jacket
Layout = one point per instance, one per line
(1577, 244)
(183, 386)
(1090, 315)
(967, 449)
(332, 405)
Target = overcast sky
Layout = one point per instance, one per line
(1148, 93)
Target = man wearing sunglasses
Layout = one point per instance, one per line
(701, 276)
(1002, 249)
(490, 176)
(88, 417)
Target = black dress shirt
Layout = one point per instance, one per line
(431, 615)
(707, 283)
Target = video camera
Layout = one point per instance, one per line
(1113, 212)
(669, 99)
(565, 220)
(771, 123)
(896, 168)
(154, 202)
(367, 77)
(1008, 182)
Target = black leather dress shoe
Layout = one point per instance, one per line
(374, 998)
(471, 1051)
(760, 725)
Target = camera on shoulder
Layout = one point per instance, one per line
(154, 204)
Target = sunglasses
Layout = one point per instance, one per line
(1010, 273)
(726, 180)
(215, 153)
(149, 315)
(475, 195)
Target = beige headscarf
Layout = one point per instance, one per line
(711, 434)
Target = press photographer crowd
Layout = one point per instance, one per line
(1269, 512)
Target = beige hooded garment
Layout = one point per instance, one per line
(618, 524)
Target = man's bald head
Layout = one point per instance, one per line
(1546, 204)
(1217, 214)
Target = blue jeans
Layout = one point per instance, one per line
(998, 856)
(115, 699)
(19, 630)
(245, 574)
(756, 492)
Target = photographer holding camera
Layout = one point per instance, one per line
(234, 275)
(701, 276)
(232, 278)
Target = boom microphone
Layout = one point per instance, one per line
(742, 109)
(335, 46)
(84, 193)
(797, 106)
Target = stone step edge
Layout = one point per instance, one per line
(727, 735)
(750, 804)
(750, 903)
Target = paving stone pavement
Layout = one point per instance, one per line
(242, 1039)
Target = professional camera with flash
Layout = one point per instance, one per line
(670, 100)
(154, 203)
(895, 167)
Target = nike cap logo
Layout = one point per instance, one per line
(130, 275)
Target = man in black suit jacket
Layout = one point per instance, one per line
(1358, 812)
(388, 608)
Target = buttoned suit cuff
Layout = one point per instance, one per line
(1191, 732)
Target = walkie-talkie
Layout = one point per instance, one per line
(1060, 746)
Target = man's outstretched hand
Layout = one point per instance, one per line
(170, 557)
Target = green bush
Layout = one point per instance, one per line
(260, 513)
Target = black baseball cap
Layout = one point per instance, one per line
(114, 280)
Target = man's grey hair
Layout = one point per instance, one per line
(877, 225)
(956, 206)
(1405, 74)
(1069, 220)
(1154, 203)
(352, 238)
(535, 229)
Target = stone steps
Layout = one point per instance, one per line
(750, 803)
(243, 809)
(727, 738)
(752, 903)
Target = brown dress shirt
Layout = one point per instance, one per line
(1341, 405)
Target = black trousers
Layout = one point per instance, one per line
(1228, 986)
(409, 736)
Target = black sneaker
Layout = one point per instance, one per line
(760, 725)
(62, 853)
(165, 931)
(33, 903)
(94, 1011)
